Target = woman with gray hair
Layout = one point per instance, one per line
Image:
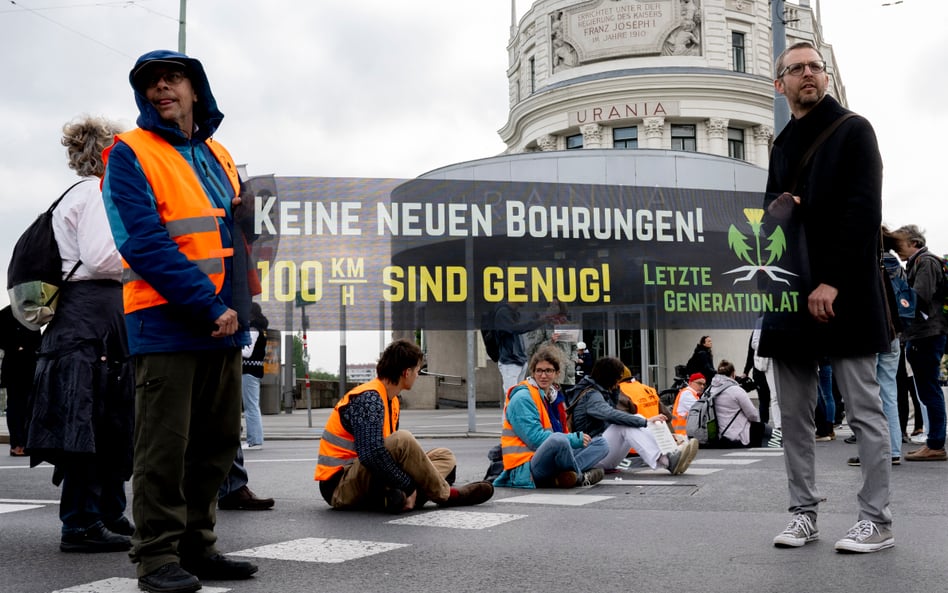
(83, 399)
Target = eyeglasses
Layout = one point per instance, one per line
(544, 371)
(797, 69)
(171, 78)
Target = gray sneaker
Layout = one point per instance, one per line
(593, 476)
(801, 530)
(866, 536)
(678, 461)
(674, 460)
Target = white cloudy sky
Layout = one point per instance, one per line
(376, 88)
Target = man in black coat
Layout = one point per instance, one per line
(829, 208)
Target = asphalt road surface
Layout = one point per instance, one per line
(708, 530)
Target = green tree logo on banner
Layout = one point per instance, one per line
(775, 249)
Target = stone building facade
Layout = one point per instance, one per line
(692, 75)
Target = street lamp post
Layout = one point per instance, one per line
(182, 25)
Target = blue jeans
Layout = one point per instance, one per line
(556, 455)
(251, 396)
(236, 478)
(825, 388)
(924, 354)
(887, 366)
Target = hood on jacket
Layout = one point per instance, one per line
(721, 382)
(207, 117)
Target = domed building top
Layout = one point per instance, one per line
(692, 75)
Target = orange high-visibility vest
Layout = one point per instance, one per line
(184, 208)
(680, 422)
(644, 397)
(514, 450)
(337, 445)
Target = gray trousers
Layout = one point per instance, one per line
(797, 392)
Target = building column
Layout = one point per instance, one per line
(762, 138)
(592, 135)
(654, 131)
(546, 142)
(717, 136)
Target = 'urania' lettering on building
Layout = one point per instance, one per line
(616, 111)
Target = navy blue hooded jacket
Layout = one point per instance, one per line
(185, 323)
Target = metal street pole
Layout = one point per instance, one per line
(778, 28)
(182, 25)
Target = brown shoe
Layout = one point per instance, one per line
(243, 499)
(469, 494)
(926, 454)
(567, 479)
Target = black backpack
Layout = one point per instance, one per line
(34, 276)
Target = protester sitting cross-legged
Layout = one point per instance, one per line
(365, 461)
(737, 415)
(535, 455)
(593, 405)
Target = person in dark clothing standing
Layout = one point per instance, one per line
(82, 401)
(510, 325)
(19, 345)
(925, 337)
(824, 191)
(172, 194)
(702, 360)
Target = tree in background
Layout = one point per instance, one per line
(300, 357)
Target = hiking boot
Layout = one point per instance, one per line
(593, 476)
(800, 531)
(243, 499)
(469, 494)
(94, 540)
(169, 578)
(866, 536)
(926, 454)
(219, 568)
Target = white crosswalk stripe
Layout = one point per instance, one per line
(457, 519)
(12, 508)
(319, 549)
(573, 500)
(120, 585)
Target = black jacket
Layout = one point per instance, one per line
(832, 238)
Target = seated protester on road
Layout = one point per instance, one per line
(593, 402)
(636, 397)
(366, 462)
(534, 454)
(687, 398)
(738, 417)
